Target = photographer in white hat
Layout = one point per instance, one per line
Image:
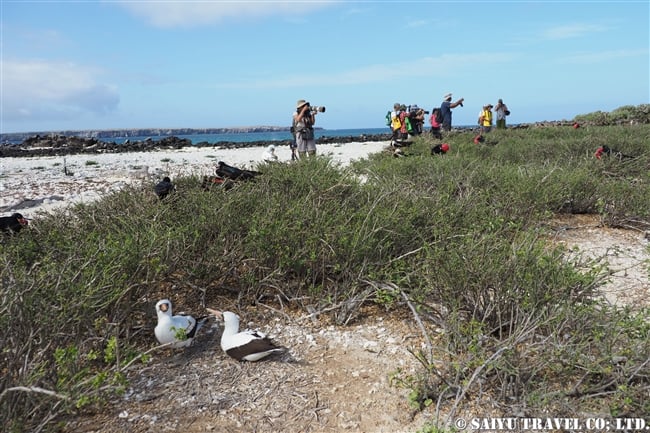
(303, 123)
(445, 110)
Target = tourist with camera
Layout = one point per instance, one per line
(445, 110)
(485, 119)
(502, 111)
(303, 123)
(395, 123)
(416, 115)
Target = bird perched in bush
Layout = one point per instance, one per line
(228, 171)
(13, 224)
(164, 187)
(218, 181)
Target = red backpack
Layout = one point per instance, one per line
(436, 116)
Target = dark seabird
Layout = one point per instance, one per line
(440, 149)
(607, 151)
(164, 187)
(228, 171)
(13, 223)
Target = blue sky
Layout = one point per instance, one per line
(74, 65)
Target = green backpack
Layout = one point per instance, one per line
(409, 128)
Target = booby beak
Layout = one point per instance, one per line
(215, 313)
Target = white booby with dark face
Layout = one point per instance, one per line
(245, 345)
(178, 330)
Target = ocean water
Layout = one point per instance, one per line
(246, 137)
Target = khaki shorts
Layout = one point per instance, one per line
(305, 145)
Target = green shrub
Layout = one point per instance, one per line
(457, 239)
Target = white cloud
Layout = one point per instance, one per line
(190, 13)
(604, 56)
(34, 89)
(417, 23)
(571, 31)
(426, 67)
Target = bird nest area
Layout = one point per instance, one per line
(331, 379)
(624, 252)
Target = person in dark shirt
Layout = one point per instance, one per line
(445, 109)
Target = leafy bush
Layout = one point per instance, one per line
(628, 114)
(457, 240)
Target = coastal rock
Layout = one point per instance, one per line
(73, 145)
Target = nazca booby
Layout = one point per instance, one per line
(246, 345)
(178, 330)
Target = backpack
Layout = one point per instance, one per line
(388, 118)
(409, 127)
(396, 123)
(435, 115)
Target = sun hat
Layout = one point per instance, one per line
(447, 96)
(300, 103)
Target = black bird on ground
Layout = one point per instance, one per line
(228, 171)
(479, 139)
(164, 187)
(210, 181)
(608, 151)
(440, 149)
(13, 223)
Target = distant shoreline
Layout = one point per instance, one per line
(140, 132)
(97, 142)
(41, 146)
(124, 133)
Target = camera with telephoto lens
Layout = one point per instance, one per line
(415, 110)
(316, 109)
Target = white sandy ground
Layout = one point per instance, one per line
(41, 183)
